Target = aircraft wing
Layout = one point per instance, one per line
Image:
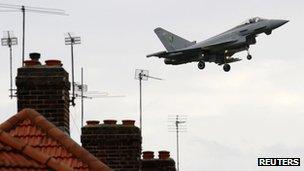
(157, 54)
(219, 44)
(174, 54)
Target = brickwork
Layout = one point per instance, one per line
(158, 165)
(46, 89)
(163, 163)
(118, 146)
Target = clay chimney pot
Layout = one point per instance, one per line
(93, 122)
(31, 63)
(163, 155)
(109, 122)
(148, 155)
(128, 122)
(53, 62)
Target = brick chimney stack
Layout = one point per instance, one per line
(117, 145)
(163, 163)
(45, 88)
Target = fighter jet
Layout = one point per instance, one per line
(218, 49)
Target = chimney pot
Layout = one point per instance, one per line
(148, 155)
(53, 62)
(93, 122)
(35, 56)
(109, 122)
(128, 122)
(163, 155)
(31, 63)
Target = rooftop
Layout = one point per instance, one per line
(29, 142)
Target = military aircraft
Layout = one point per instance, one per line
(218, 49)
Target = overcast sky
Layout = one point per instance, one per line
(255, 110)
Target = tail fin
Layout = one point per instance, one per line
(171, 41)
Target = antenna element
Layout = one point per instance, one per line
(177, 123)
(23, 9)
(9, 40)
(85, 94)
(71, 41)
(140, 75)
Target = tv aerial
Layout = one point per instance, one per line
(23, 9)
(72, 40)
(177, 124)
(10, 40)
(142, 75)
(85, 94)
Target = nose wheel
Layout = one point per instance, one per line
(201, 65)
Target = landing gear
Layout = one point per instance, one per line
(249, 57)
(201, 65)
(226, 67)
(268, 32)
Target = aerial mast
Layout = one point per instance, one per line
(71, 41)
(142, 75)
(23, 9)
(85, 94)
(9, 40)
(177, 125)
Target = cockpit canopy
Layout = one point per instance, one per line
(252, 20)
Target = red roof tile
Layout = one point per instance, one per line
(28, 142)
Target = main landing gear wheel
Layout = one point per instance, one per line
(249, 57)
(268, 32)
(226, 67)
(201, 65)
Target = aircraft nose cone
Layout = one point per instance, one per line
(277, 23)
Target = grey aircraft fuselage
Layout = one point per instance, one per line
(218, 49)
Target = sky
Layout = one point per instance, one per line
(255, 110)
